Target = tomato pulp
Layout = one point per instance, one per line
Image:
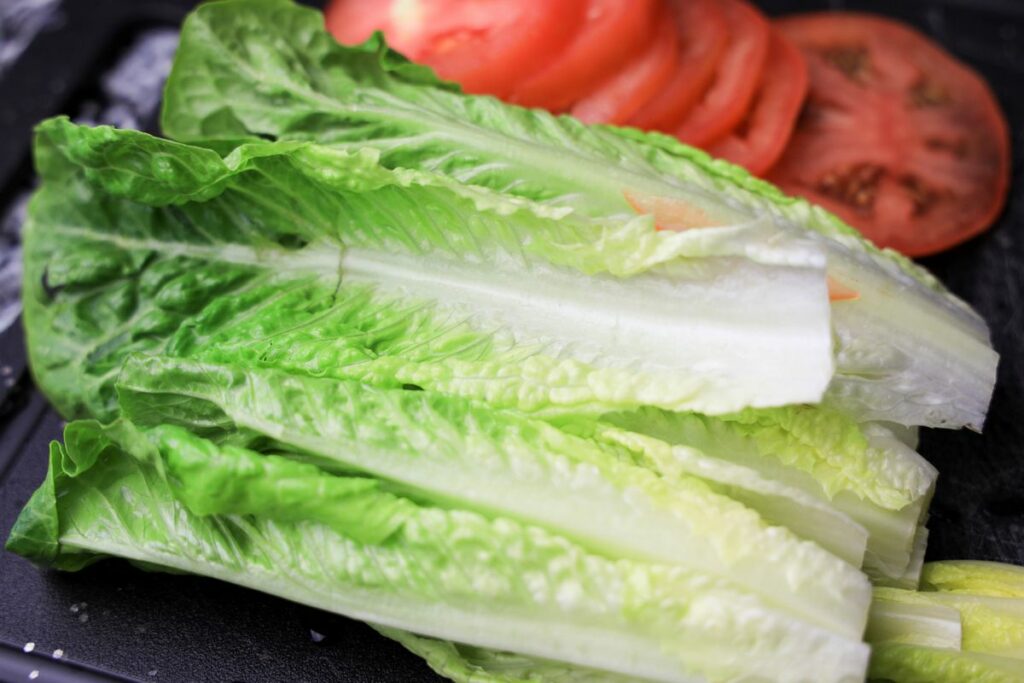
(897, 137)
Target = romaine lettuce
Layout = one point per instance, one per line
(907, 350)
(965, 624)
(366, 272)
(918, 664)
(861, 471)
(467, 664)
(913, 641)
(974, 577)
(146, 495)
(161, 248)
(425, 360)
(450, 451)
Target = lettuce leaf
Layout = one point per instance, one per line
(451, 451)
(444, 573)
(467, 664)
(987, 602)
(370, 273)
(910, 623)
(991, 625)
(776, 501)
(974, 577)
(917, 664)
(965, 624)
(911, 641)
(213, 272)
(907, 350)
(861, 471)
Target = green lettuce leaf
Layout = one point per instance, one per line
(468, 664)
(908, 623)
(445, 573)
(804, 514)
(861, 471)
(966, 624)
(293, 253)
(900, 663)
(109, 275)
(991, 625)
(974, 577)
(907, 350)
(449, 450)
(210, 480)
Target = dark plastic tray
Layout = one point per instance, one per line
(114, 622)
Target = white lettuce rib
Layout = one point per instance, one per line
(746, 334)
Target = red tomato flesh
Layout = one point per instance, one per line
(897, 137)
(728, 98)
(352, 22)
(612, 32)
(641, 78)
(759, 140)
(703, 38)
(487, 46)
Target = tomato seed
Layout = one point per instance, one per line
(855, 185)
(853, 61)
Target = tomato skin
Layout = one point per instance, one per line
(487, 46)
(703, 38)
(761, 138)
(898, 138)
(612, 31)
(728, 98)
(627, 90)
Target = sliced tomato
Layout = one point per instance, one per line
(897, 137)
(611, 32)
(728, 98)
(627, 90)
(352, 22)
(703, 37)
(759, 140)
(487, 46)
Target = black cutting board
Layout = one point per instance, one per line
(121, 623)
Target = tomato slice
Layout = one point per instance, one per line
(897, 137)
(487, 46)
(352, 22)
(759, 140)
(627, 90)
(726, 102)
(703, 37)
(611, 32)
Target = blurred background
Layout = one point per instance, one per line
(104, 62)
